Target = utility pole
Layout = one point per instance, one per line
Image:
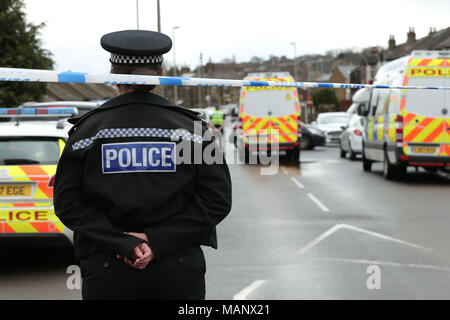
(158, 9)
(159, 15)
(295, 60)
(200, 76)
(137, 14)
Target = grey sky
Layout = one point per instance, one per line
(221, 29)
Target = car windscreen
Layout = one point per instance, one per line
(269, 103)
(427, 102)
(20, 151)
(332, 119)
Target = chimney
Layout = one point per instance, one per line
(391, 42)
(411, 36)
(432, 31)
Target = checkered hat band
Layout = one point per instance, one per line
(121, 59)
(173, 134)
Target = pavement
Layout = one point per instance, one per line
(320, 229)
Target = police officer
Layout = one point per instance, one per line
(218, 119)
(139, 216)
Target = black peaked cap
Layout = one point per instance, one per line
(136, 43)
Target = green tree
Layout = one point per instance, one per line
(325, 96)
(20, 47)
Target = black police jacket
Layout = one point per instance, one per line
(117, 174)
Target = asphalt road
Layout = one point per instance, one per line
(311, 231)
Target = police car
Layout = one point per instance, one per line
(29, 153)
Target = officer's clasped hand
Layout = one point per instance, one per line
(142, 253)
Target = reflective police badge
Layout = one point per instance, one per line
(130, 157)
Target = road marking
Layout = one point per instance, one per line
(382, 236)
(388, 263)
(320, 238)
(242, 295)
(335, 228)
(318, 202)
(298, 183)
(284, 170)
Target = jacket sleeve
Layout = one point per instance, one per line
(79, 214)
(211, 204)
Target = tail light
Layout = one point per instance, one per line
(399, 128)
(51, 182)
(241, 124)
(299, 126)
(357, 132)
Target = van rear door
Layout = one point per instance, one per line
(267, 108)
(425, 112)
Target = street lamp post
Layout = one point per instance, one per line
(175, 64)
(137, 14)
(295, 60)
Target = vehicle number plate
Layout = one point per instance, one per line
(258, 139)
(428, 150)
(15, 190)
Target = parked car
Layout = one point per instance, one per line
(311, 137)
(351, 138)
(331, 123)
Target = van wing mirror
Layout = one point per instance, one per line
(363, 110)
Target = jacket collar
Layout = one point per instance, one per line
(137, 97)
(127, 98)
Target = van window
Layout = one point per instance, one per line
(394, 101)
(269, 103)
(426, 102)
(374, 102)
(383, 102)
(33, 150)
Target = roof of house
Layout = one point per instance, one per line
(438, 40)
(346, 70)
(79, 92)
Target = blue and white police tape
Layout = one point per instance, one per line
(34, 75)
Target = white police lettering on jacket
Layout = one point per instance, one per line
(138, 157)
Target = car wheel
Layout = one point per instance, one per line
(367, 164)
(305, 142)
(352, 154)
(342, 151)
(294, 155)
(389, 170)
(244, 155)
(401, 171)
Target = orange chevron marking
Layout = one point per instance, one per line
(434, 134)
(7, 228)
(418, 130)
(424, 62)
(44, 226)
(409, 117)
(24, 205)
(257, 120)
(287, 125)
(38, 171)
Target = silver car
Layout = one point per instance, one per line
(351, 137)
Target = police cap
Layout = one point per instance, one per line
(136, 47)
